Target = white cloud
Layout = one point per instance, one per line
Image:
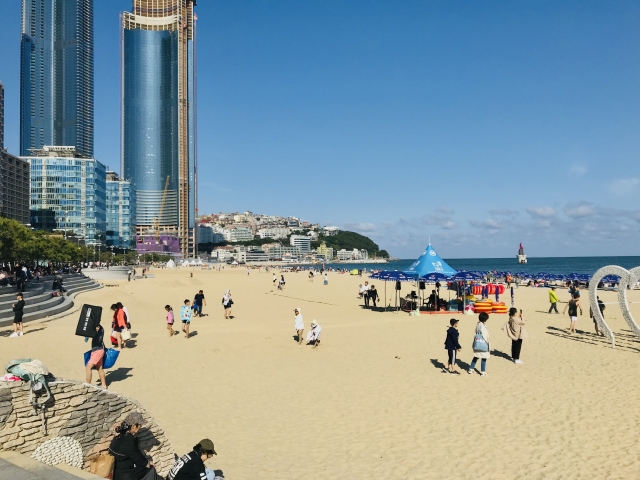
(578, 210)
(541, 212)
(578, 169)
(623, 186)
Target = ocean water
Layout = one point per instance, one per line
(561, 265)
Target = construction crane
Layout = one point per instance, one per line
(156, 223)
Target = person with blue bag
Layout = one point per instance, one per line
(96, 356)
(481, 348)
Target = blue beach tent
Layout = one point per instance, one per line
(429, 262)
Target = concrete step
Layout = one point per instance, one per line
(50, 309)
(14, 466)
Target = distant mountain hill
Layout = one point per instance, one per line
(351, 240)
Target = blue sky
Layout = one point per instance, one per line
(479, 124)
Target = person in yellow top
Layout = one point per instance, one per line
(553, 299)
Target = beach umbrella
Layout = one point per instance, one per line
(434, 277)
(462, 275)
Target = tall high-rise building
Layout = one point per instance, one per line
(121, 212)
(56, 75)
(1, 116)
(159, 116)
(68, 192)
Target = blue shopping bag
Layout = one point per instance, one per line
(110, 357)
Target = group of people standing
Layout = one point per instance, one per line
(313, 337)
(369, 294)
(514, 328)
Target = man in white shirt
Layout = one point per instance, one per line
(366, 293)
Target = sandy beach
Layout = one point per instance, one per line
(371, 401)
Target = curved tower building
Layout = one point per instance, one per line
(56, 75)
(159, 116)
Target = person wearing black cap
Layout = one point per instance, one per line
(191, 466)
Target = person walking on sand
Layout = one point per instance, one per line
(601, 307)
(514, 329)
(298, 324)
(227, 302)
(573, 305)
(118, 324)
(481, 346)
(96, 358)
(186, 313)
(326, 279)
(452, 345)
(313, 337)
(198, 301)
(275, 279)
(373, 296)
(170, 320)
(553, 300)
(18, 312)
(365, 291)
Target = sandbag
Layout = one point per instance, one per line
(89, 319)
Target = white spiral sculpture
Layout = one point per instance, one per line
(627, 277)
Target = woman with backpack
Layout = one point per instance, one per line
(481, 348)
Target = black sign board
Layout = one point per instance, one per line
(89, 320)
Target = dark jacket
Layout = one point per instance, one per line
(188, 467)
(451, 343)
(18, 308)
(130, 463)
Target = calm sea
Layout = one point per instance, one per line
(562, 265)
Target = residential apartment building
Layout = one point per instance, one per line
(207, 234)
(301, 241)
(237, 234)
(159, 153)
(257, 256)
(73, 188)
(15, 192)
(275, 233)
(121, 212)
(354, 254)
(56, 75)
(325, 251)
(279, 252)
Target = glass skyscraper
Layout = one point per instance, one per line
(159, 116)
(56, 75)
(74, 188)
(121, 212)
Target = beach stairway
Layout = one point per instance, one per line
(38, 298)
(14, 466)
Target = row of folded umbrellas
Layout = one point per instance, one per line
(398, 275)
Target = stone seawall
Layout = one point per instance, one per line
(79, 418)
